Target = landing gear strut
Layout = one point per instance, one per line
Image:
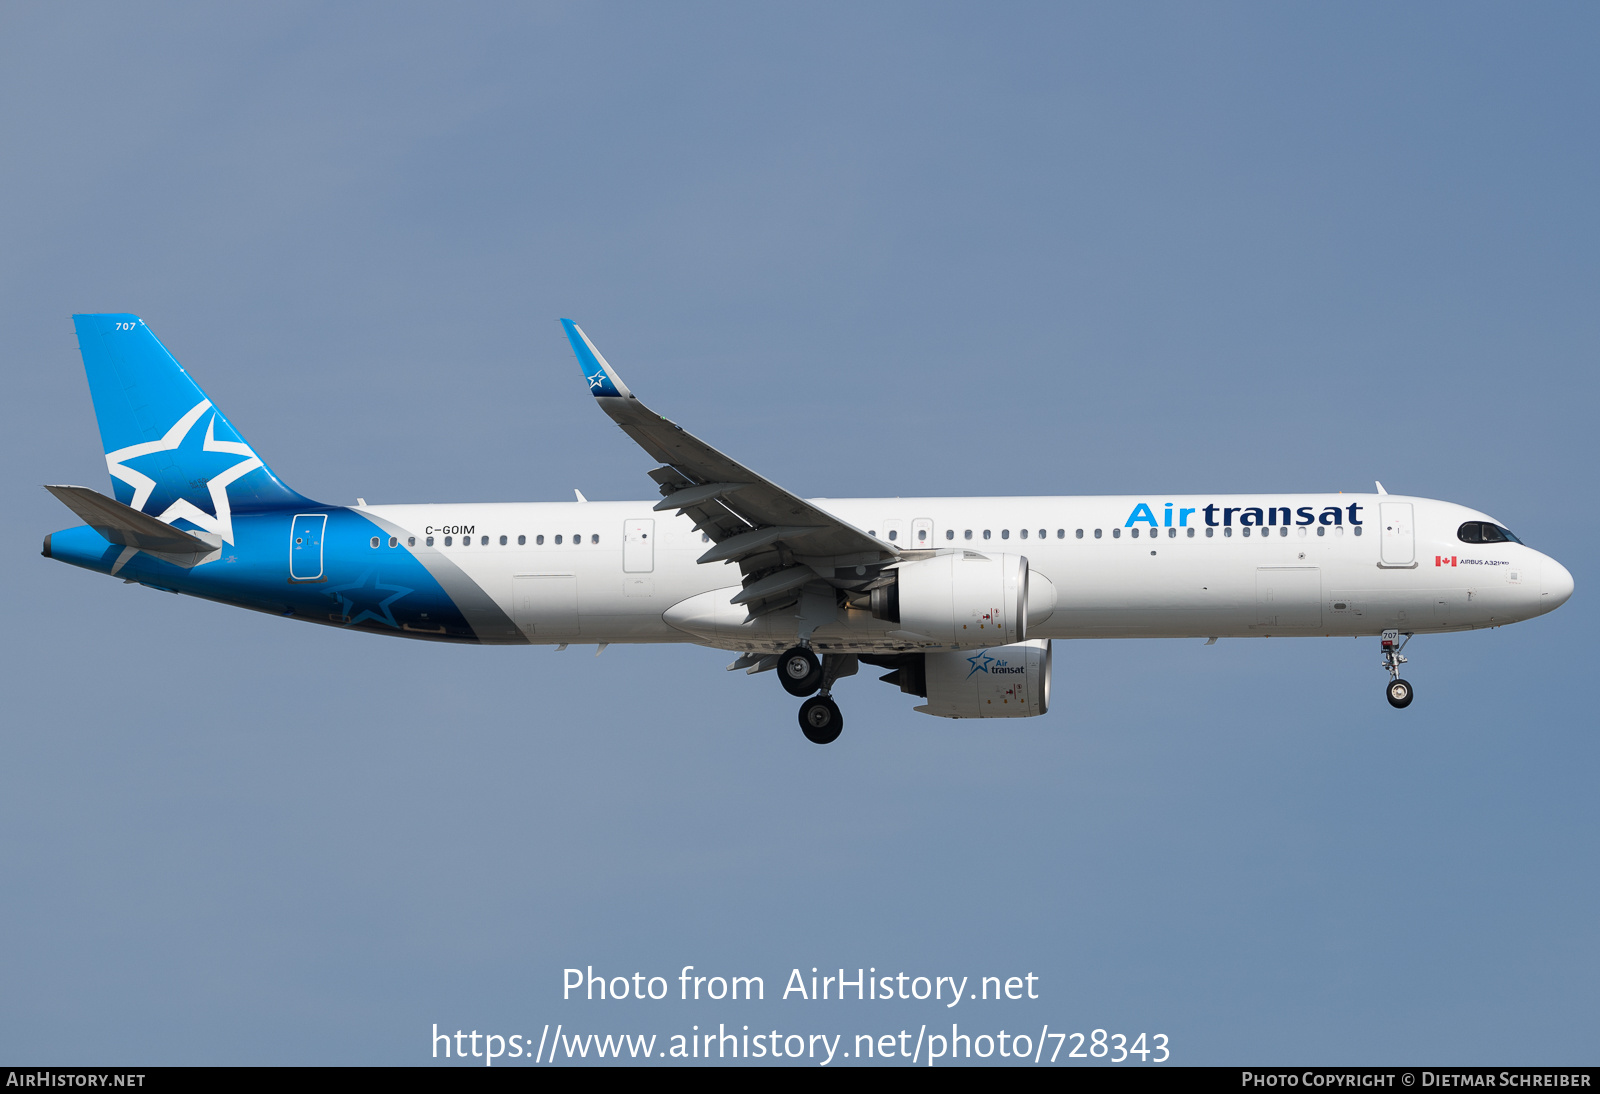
(1399, 691)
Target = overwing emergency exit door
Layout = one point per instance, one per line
(638, 547)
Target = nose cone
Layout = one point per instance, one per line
(1555, 585)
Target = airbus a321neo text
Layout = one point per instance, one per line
(958, 598)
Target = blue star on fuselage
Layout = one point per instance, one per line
(364, 599)
(980, 662)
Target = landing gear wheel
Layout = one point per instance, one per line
(820, 720)
(800, 672)
(1399, 693)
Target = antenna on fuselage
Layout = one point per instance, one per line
(1379, 485)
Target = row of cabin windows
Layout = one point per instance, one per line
(1005, 533)
(950, 533)
(1116, 533)
(483, 541)
(1172, 533)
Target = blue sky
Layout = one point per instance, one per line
(869, 250)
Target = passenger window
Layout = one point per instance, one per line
(872, 531)
(502, 541)
(1283, 532)
(1172, 533)
(1097, 533)
(949, 533)
(1321, 531)
(704, 538)
(1227, 533)
(447, 541)
(922, 535)
(394, 541)
(430, 541)
(1005, 533)
(894, 534)
(1191, 533)
(1210, 532)
(577, 539)
(1358, 530)
(1246, 531)
(522, 541)
(538, 541)
(1044, 534)
(411, 541)
(1080, 533)
(484, 542)
(967, 534)
(1023, 533)
(594, 539)
(374, 541)
(986, 533)
(1116, 533)
(466, 541)
(558, 541)
(1134, 532)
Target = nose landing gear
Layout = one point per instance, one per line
(1398, 692)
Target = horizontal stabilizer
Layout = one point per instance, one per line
(126, 526)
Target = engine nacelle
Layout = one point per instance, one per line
(964, 599)
(998, 682)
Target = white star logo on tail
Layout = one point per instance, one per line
(143, 485)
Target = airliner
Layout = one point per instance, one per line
(959, 599)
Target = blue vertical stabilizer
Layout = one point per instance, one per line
(171, 453)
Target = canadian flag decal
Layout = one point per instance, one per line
(1444, 560)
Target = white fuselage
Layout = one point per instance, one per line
(1121, 567)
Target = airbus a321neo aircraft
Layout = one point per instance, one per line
(959, 598)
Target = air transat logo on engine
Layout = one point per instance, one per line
(994, 666)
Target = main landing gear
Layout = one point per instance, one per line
(1399, 691)
(803, 674)
(820, 720)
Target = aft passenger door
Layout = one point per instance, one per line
(1399, 541)
(305, 546)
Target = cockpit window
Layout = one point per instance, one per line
(1481, 531)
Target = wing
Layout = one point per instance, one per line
(781, 542)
